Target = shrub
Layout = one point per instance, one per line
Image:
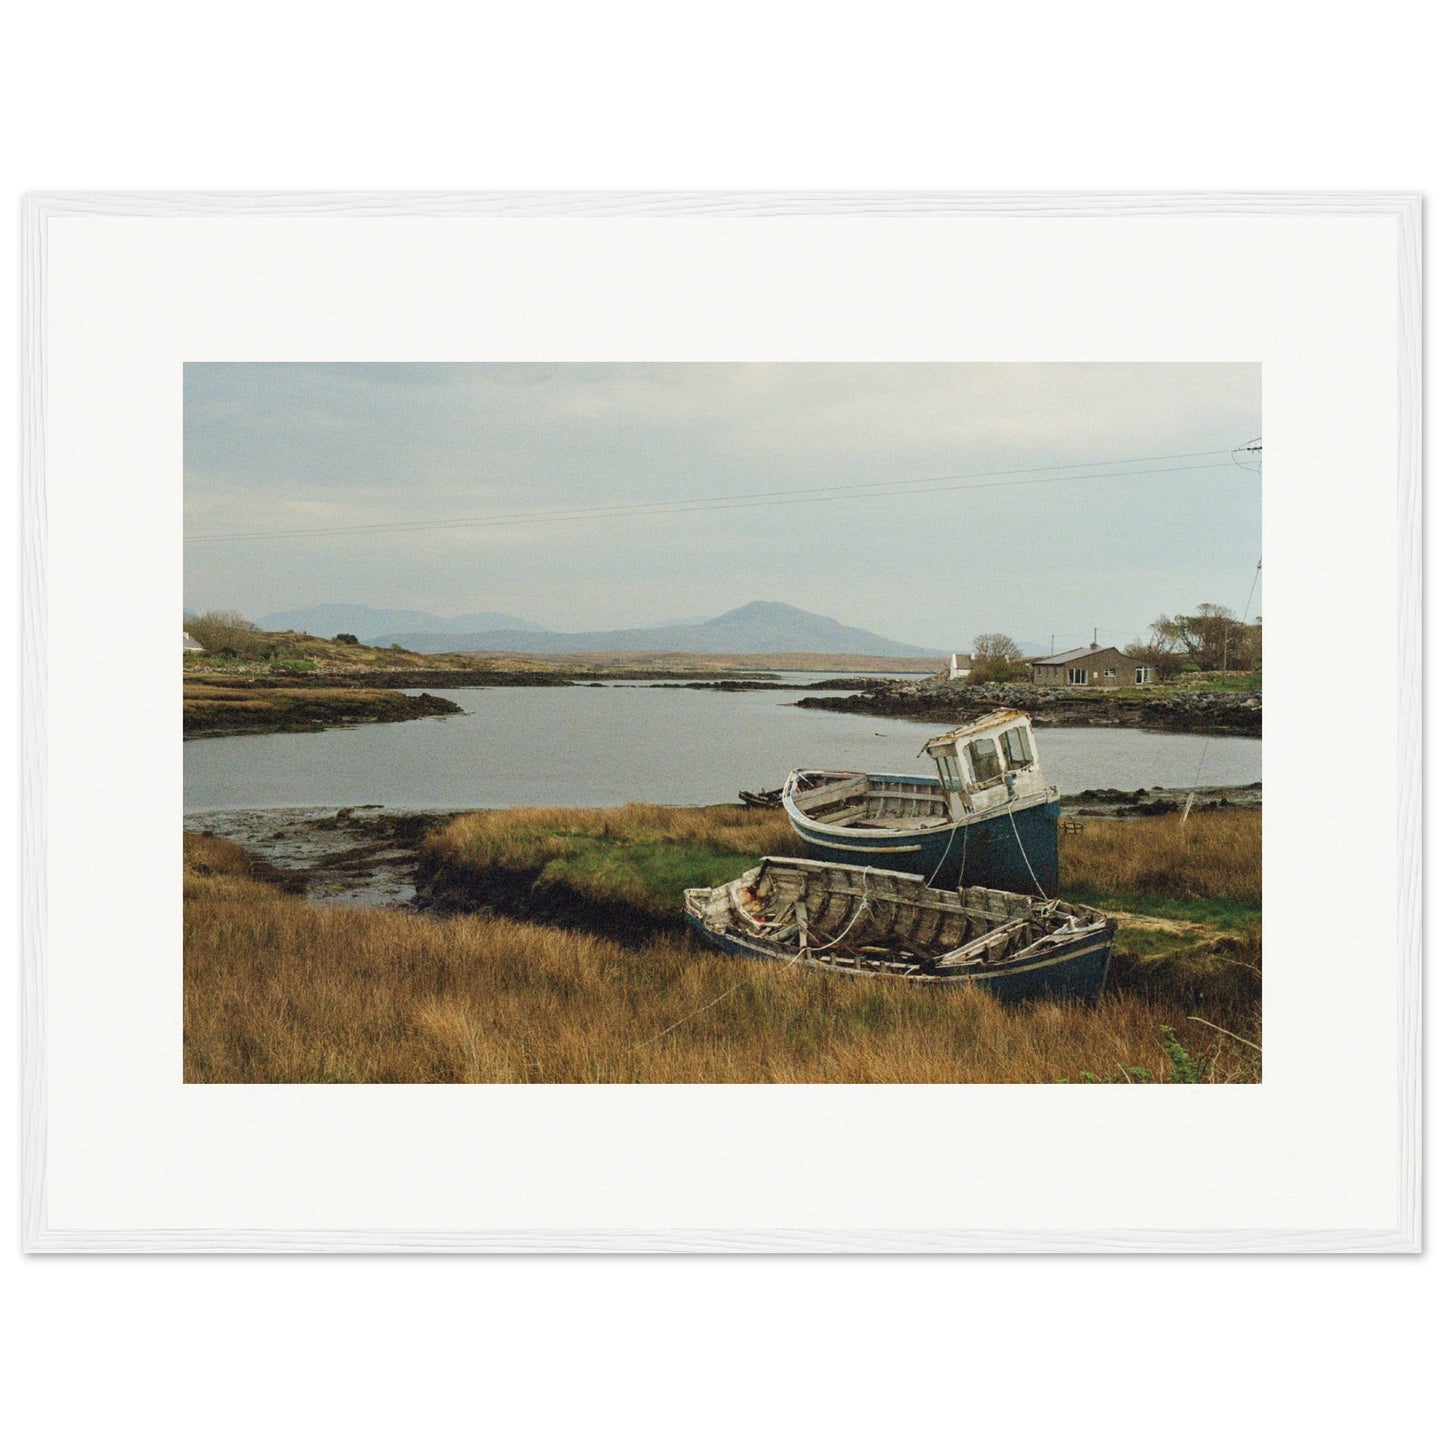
(228, 633)
(1182, 1069)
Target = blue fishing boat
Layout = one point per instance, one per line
(987, 819)
(871, 922)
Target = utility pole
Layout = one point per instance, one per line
(1254, 449)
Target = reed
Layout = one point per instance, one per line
(279, 991)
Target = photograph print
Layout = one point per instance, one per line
(723, 723)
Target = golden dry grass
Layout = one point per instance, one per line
(519, 837)
(1212, 854)
(250, 699)
(279, 991)
(1212, 859)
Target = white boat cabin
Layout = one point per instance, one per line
(988, 763)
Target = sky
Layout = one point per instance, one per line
(926, 503)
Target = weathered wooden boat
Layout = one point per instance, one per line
(762, 797)
(873, 922)
(988, 819)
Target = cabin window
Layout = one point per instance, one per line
(1016, 748)
(984, 757)
(1078, 676)
(1108, 672)
(949, 772)
(1141, 675)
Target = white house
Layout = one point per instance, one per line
(189, 643)
(960, 665)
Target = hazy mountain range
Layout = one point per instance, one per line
(756, 627)
(369, 623)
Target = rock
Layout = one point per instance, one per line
(954, 703)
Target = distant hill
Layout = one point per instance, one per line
(758, 627)
(370, 623)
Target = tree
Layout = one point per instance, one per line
(1163, 661)
(996, 658)
(227, 633)
(1209, 640)
(1207, 635)
(1245, 651)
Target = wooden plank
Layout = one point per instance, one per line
(844, 813)
(810, 798)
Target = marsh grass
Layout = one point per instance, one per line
(1204, 870)
(642, 855)
(1207, 867)
(278, 991)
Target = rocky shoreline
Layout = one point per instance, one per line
(361, 856)
(227, 703)
(935, 700)
(1155, 802)
(213, 710)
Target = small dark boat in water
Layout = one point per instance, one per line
(873, 922)
(989, 817)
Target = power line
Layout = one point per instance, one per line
(845, 491)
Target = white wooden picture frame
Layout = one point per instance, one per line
(120, 290)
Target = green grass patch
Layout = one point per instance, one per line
(1149, 943)
(1221, 913)
(646, 875)
(1242, 682)
(1238, 682)
(642, 855)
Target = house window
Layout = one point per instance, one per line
(984, 757)
(1016, 748)
(1078, 676)
(1108, 672)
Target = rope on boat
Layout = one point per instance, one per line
(1027, 862)
(948, 848)
(863, 903)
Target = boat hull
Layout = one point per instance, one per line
(1075, 971)
(1015, 849)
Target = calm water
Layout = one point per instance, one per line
(589, 746)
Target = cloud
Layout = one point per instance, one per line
(278, 448)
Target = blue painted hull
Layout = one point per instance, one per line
(1016, 850)
(1062, 971)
